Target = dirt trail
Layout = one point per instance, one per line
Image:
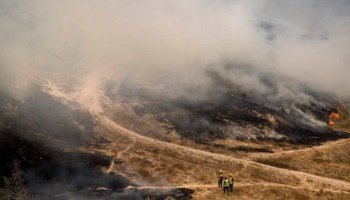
(321, 147)
(236, 185)
(306, 178)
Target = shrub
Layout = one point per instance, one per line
(14, 187)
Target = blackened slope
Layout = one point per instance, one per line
(45, 137)
(44, 166)
(286, 110)
(50, 155)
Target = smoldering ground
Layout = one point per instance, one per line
(43, 136)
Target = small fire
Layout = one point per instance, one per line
(333, 116)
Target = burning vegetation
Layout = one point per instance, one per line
(338, 115)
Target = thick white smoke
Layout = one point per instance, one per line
(179, 39)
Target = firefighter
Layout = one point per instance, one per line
(226, 185)
(220, 178)
(231, 180)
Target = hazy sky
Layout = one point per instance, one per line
(180, 38)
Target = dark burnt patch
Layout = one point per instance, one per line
(49, 171)
(137, 194)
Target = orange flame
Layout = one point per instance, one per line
(334, 115)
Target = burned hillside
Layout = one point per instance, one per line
(48, 149)
(278, 109)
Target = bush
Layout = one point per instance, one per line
(14, 187)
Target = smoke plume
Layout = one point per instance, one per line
(175, 45)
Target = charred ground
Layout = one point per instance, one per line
(50, 150)
(229, 110)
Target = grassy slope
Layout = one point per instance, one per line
(331, 160)
(152, 165)
(267, 192)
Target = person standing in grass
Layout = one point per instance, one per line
(231, 180)
(220, 178)
(226, 185)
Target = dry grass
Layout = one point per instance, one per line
(330, 160)
(267, 192)
(333, 161)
